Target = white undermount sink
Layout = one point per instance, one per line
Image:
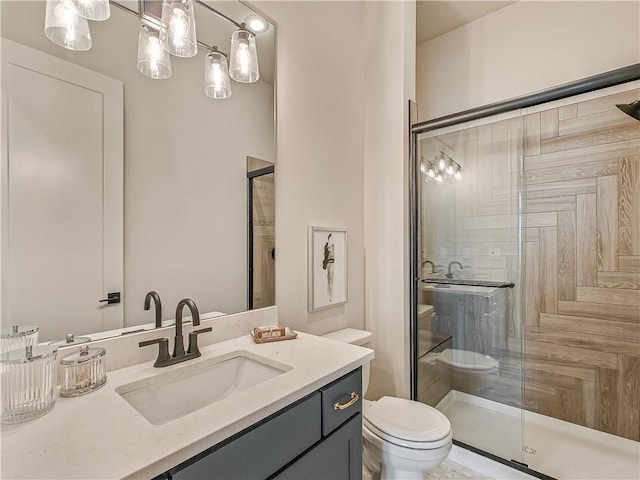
(185, 388)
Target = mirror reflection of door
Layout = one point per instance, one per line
(62, 215)
(261, 187)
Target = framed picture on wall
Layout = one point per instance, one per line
(327, 267)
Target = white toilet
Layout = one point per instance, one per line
(402, 438)
(472, 372)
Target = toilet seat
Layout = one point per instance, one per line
(467, 360)
(407, 423)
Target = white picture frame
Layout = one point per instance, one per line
(327, 267)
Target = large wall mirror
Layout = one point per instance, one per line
(116, 182)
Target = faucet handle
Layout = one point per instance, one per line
(163, 349)
(193, 341)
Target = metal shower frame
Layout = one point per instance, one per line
(585, 85)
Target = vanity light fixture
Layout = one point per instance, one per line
(178, 30)
(64, 27)
(243, 63)
(153, 61)
(97, 10)
(216, 75)
(442, 167)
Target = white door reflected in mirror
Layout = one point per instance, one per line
(63, 217)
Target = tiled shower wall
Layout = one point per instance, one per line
(573, 253)
(582, 342)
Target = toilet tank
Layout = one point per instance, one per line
(361, 338)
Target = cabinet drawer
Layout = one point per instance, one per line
(339, 393)
(261, 451)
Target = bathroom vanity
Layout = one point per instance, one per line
(282, 419)
(475, 316)
(294, 443)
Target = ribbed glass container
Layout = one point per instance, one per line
(18, 337)
(28, 382)
(83, 371)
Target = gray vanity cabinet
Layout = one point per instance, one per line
(337, 457)
(312, 438)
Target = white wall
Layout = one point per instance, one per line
(319, 181)
(389, 73)
(342, 100)
(185, 171)
(524, 48)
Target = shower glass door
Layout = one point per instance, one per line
(469, 328)
(526, 249)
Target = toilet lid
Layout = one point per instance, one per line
(406, 422)
(467, 360)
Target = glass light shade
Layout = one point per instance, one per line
(65, 28)
(92, 9)
(153, 61)
(243, 59)
(216, 76)
(178, 31)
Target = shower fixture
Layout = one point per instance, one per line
(631, 109)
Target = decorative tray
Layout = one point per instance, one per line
(274, 333)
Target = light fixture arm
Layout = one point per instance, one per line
(153, 23)
(215, 49)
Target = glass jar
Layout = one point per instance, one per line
(83, 371)
(18, 337)
(28, 382)
(70, 339)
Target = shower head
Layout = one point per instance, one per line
(632, 109)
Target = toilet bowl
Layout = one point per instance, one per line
(402, 438)
(472, 372)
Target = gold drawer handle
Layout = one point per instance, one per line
(354, 399)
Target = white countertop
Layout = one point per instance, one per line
(99, 435)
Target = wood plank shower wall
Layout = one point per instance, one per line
(581, 178)
(582, 334)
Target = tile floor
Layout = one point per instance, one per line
(465, 465)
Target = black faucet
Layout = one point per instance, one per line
(433, 267)
(178, 345)
(179, 354)
(449, 274)
(158, 306)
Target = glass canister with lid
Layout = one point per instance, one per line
(28, 382)
(18, 337)
(69, 340)
(83, 371)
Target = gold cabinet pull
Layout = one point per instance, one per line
(354, 398)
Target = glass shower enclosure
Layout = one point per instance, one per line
(525, 277)
(469, 340)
